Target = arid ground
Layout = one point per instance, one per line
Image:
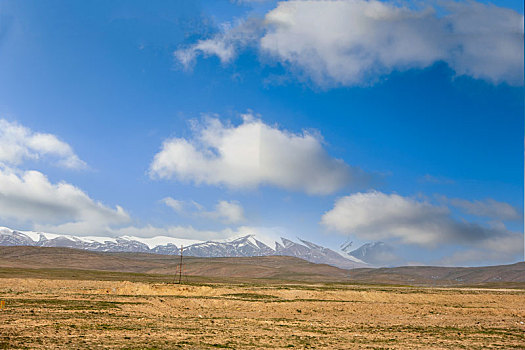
(73, 314)
(75, 308)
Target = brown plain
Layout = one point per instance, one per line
(75, 308)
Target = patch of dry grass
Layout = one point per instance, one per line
(66, 314)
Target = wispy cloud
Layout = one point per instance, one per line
(441, 180)
(498, 250)
(225, 45)
(228, 212)
(489, 208)
(175, 204)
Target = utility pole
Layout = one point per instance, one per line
(180, 267)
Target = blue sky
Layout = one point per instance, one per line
(372, 121)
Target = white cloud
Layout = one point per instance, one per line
(228, 212)
(224, 45)
(500, 250)
(439, 180)
(28, 196)
(253, 154)
(356, 42)
(18, 143)
(380, 216)
(197, 206)
(176, 205)
(248, 1)
(488, 208)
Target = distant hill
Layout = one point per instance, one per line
(442, 275)
(264, 267)
(276, 267)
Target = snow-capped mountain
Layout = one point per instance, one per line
(316, 254)
(375, 253)
(244, 246)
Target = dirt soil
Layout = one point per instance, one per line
(78, 314)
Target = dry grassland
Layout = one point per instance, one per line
(77, 314)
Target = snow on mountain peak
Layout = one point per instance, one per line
(238, 246)
(156, 241)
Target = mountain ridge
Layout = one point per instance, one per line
(243, 246)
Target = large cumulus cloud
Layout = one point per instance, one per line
(356, 42)
(253, 154)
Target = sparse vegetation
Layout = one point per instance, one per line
(252, 296)
(88, 309)
(90, 313)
